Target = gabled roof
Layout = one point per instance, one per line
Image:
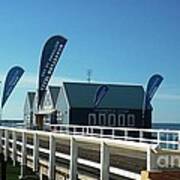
(81, 95)
(31, 96)
(54, 91)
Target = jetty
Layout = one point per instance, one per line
(87, 152)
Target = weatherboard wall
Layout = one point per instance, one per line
(110, 117)
(62, 108)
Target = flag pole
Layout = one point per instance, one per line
(0, 103)
(2, 162)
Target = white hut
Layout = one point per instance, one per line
(48, 108)
(29, 109)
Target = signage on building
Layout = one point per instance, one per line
(100, 93)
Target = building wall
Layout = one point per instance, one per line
(109, 117)
(62, 109)
(47, 106)
(47, 103)
(28, 113)
(35, 109)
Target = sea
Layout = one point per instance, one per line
(171, 126)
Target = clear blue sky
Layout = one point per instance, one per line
(121, 40)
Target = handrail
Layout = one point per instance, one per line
(115, 128)
(18, 137)
(157, 136)
(8, 135)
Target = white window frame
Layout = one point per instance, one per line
(92, 119)
(120, 120)
(114, 119)
(59, 116)
(131, 120)
(102, 119)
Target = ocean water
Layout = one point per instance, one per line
(167, 136)
(172, 126)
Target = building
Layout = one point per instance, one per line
(73, 104)
(121, 106)
(29, 109)
(48, 106)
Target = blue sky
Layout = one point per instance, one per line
(120, 40)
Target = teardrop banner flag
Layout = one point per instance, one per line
(12, 79)
(50, 56)
(153, 84)
(100, 94)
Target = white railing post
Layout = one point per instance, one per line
(148, 159)
(24, 150)
(60, 129)
(113, 133)
(174, 146)
(73, 159)
(14, 148)
(167, 139)
(151, 160)
(67, 129)
(83, 131)
(6, 145)
(36, 153)
(125, 134)
(101, 132)
(52, 146)
(105, 156)
(140, 136)
(158, 137)
(74, 131)
(24, 155)
(90, 131)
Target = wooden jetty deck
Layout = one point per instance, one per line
(60, 155)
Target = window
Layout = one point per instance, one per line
(92, 119)
(121, 120)
(131, 120)
(102, 119)
(47, 103)
(59, 116)
(47, 118)
(112, 119)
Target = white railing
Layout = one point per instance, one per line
(12, 138)
(168, 139)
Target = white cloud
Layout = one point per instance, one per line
(31, 81)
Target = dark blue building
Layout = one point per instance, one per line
(121, 106)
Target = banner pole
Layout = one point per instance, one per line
(1, 115)
(0, 103)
